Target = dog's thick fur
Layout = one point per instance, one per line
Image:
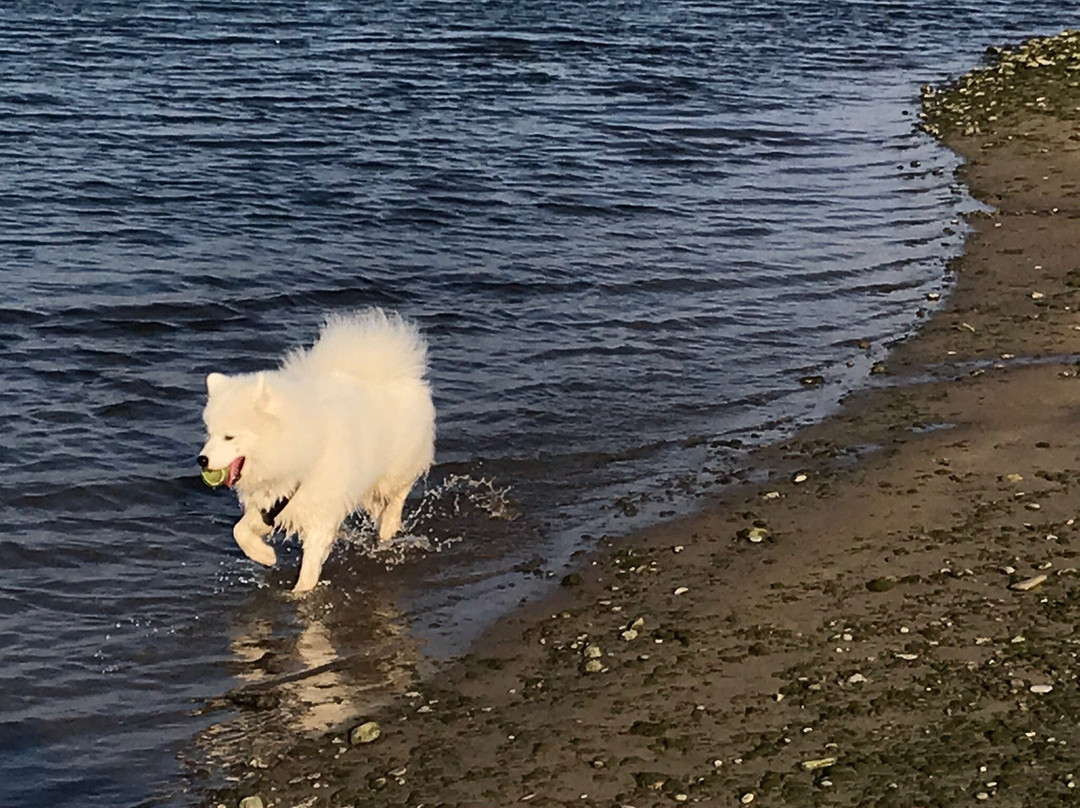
(346, 424)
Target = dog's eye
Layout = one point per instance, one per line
(228, 437)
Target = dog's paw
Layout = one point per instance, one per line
(253, 545)
(303, 587)
(387, 530)
(261, 553)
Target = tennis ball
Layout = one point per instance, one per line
(214, 477)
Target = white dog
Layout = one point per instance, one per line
(346, 424)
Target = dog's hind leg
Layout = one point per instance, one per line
(317, 544)
(373, 504)
(249, 533)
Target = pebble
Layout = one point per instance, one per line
(757, 535)
(365, 733)
(800, 478)
(856, 679)
(629, 634)
(593, 666)
(1041, 689)
(883, 584)
(771, 495)
(1027, 583)
(593, 652)
(817, 763)
(1037, 295)
(747, 798)
(682, 590)
(251, 802)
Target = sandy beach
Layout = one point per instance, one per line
(888, 620)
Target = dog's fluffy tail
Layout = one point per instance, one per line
(372, 345)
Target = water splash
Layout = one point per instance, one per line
(442, 518)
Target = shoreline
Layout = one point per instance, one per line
(894, 629)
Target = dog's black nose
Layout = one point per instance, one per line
(204, 461)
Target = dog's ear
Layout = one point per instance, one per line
(264, 396)
(214, 382)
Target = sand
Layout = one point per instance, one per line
(887, 621)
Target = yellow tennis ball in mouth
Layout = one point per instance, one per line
(214, 477)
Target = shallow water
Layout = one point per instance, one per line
(628, 232)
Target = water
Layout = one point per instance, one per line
(628, 229)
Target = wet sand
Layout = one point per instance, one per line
(888, 621)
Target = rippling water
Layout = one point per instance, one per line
(628, 229)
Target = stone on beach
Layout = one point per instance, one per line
(757, 535)
(883, 584)
(365, 733)
(817, 763)
(1028, 583)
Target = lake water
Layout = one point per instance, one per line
(627, 228)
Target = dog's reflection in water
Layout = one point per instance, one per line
(310, 669)
(319, 697)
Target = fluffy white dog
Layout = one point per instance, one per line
(345, 424)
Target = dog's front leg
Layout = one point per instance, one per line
(317, 545)
(249, 533)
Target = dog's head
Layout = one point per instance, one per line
(239, 413)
